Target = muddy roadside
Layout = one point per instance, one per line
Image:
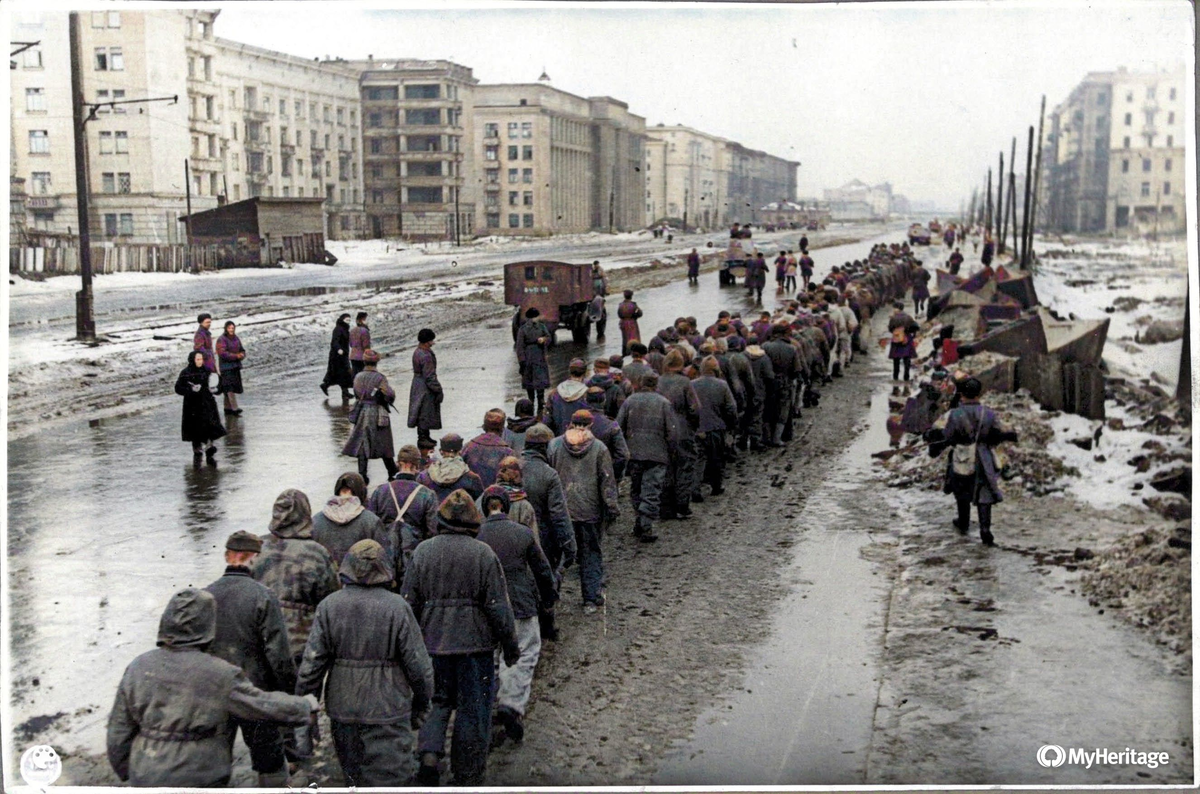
(283, 332)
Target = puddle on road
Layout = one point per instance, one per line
(804, 713)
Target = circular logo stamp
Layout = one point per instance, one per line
(1051, 755)
(40, 765)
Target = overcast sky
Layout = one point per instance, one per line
(923, 95)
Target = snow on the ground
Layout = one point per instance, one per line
(1106, 478)
(1131, 282)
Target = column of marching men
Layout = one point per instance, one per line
(428, 597)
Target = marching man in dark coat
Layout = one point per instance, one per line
(251, 635)
(457, 591)
(169, 722)
(533, 339)
(425, 395)
(201, 422)
(367, 653)
(338, 372)
(372, 434)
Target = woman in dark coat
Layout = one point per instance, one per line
(425, 394)
(372, 434)
(903, 329)
(201, 422)
(920, 290)
(338, 371)
(628, 313)
(532, 341)
(230, 353)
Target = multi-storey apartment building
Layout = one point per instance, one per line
(289, 127)
(137, 177)
(416, 116)
(1113, 154)
(550, 161)
(686, 176)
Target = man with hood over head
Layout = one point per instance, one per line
(345, 520)
(169, 721)
(585, 468)
(367, 653)
(546, 494)
(567, 398)
(519, 509)
(457, 591)
(514, 432)
(530, 583)
(295, 567)
(451, 472)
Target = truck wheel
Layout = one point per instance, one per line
(579, 334)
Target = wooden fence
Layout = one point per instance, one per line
(64, 260)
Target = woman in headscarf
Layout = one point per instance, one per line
(230, 353)
(201, 422)
(372, 434)
(338, 371)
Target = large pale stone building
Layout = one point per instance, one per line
(1113, 155)
(550, 161)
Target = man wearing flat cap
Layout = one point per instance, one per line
(251, 635)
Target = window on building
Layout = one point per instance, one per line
(237, 162)
(285, 165)
(124, 183)
(1171, 117)
(425, 195)
(1167, 164)
(1125, 166)
(237, 192)
(491, 130)
(114, 61)
(126, 220)
(425, 169)
(374, 119)
(383, 93)
(312, 138)
(513, 129)
(512, 176)
(106, 142)
(1166, 188)
(526, 129)
(300, 192)
(328, 168)
(312, 110)
(1128, 119)
(327, 114)
(35, 100)
(493, 177)
(353, 117)
(326, 141)
(270, 164)
(43, 221)
(39, 185)
(527, 220)
(514, 198)
(1171, 94)
(376, 196)
(1150, 91)
(1146, 165)
(98, 19)
(422, 116)
(1145, 188)
(1125, 143)
(102, 60)
(235, 130)
(527, 176)
(491, 200)
(376, 146)
(526, 152)
(254, 162)
(210, 108)
(493, 220)
(341, 116)
(422, 91)
(514, 221)
(110, 225)
(213, 189)
(108, 183)
(341, 142)
(527, 198)
(512, 153)
(32, 58)
(298, 106)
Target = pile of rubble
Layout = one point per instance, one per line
(1147, 575)
(1029, 463)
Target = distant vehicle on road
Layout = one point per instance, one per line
(814, 226)
(918, 235)
(734, 264)
(935, 226)
(563, 292)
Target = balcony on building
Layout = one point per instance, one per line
(256, 115)
(256, 177)
(43, 203)
(257, 145)
(285, 147)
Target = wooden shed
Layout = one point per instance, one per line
(259, 231)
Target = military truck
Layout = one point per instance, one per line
(564, 293)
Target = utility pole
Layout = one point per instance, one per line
(1183, 389)
(685, 207)
(1025, 213)
(1010, 209)
(457, 220)
(1037, 180)
(1000, 207)
(987, 214)
(187, 186)
(85, 321)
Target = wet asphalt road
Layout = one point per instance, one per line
(108, 518)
